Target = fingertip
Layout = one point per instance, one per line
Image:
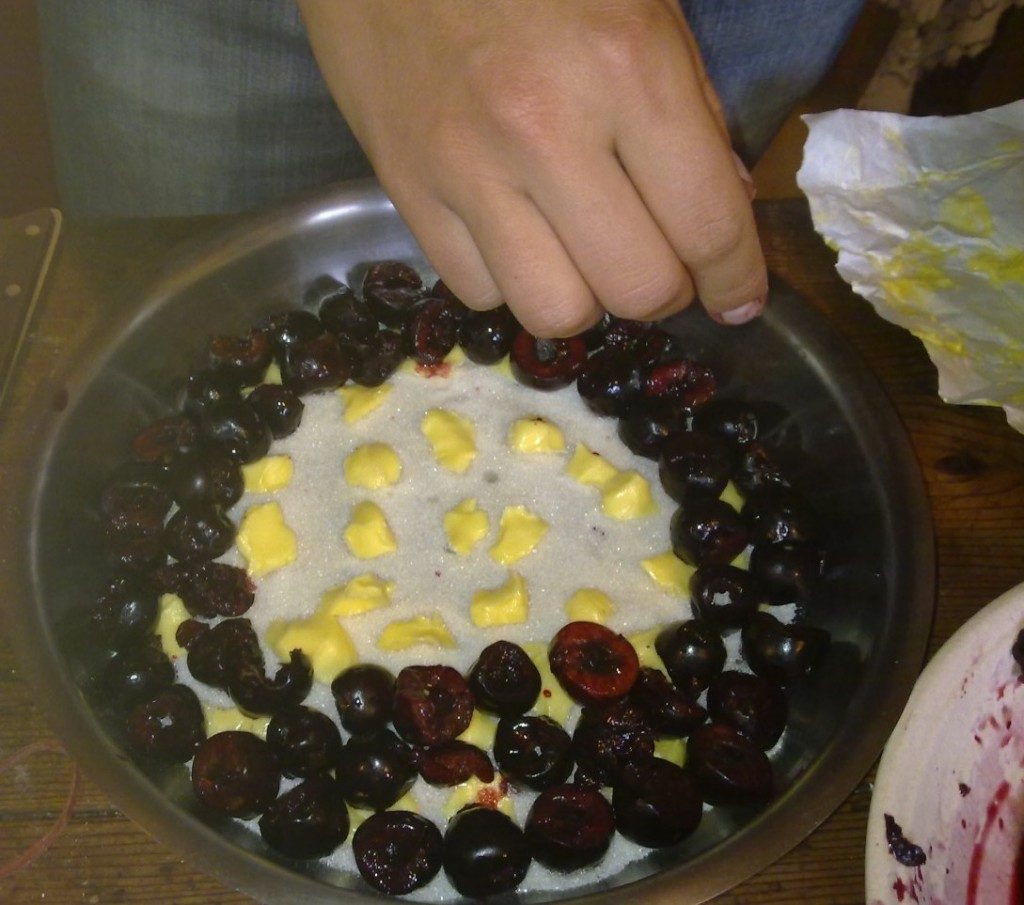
(557, 322)
(742, 314)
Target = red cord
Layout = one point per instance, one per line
(20, 862)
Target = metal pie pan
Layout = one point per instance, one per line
(849, 451)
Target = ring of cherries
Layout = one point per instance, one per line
(164, 526)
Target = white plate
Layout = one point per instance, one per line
(952, 773)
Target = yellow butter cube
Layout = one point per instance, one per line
(480, 731)
(264, 540)
(474, 791)
(320, 637)
(455, 357)
(452, 438)
(361, 401)
(626, 496)
(272, 375)
(357, 816)
(465, 525)
(172, 614)
(742, 560)
(643, 644)
(267, 474)
(590, 468)
(671, 749)
(670, 573)
(231, 719)
(368, 534)
(732, 496)
(373, 466)
(361, 595)
(429, 631)
(552, 701)
(589, 605)
(535, 435)
(504, 605)
(519, 532)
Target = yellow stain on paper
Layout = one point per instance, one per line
(966, 212)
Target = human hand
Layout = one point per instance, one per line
(567, 158)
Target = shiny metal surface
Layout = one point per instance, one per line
(877, 601)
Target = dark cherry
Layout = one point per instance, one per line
(778, 515)
(126, 611)
(533, 751)
(750, 704)
(733, 420)
(643, 341)
(486, 336)
(198, 533)
(375, 769)
(279, 407)
(135, 475)
(454, 762)
(694, 463)
(789, 572)
(236, 428)
(678, 382)
(135, 511)
(758, 469)
(308, 821)
(164, 439)
(609, 383)
(169, 728)
(236, 773)
(782, 653)
(725, 596)
(504, 680)
(397, 851)
(244, 358)
(432, 704)
(208, 387)
(569, 827)
(592, 663)
(341, 311)
(315, 365)
(286, 328)
(379, 357)
(217, 654)
(670, 711)
(728, 767)
(305, 741)
(707, 530)
(206, 475)
(209, 589)
(255, 692)
(391, 288)
(901, 848)
(693, 653)
(188, 631)
(136, 551)
(647, 432)
(431, 331)
(485, 853)
(606, 738)
(546, 364)
(363, 695)
(136, 674)
(656, 803)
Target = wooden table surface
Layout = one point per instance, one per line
(973, 466)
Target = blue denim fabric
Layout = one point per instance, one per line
(205, 106)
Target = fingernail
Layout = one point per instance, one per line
(735, 316)
(745, 177)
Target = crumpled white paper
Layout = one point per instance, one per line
(927, 215)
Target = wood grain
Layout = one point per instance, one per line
(973, 466)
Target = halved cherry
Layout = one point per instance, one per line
(547, 364)
(593, 663)
(569, 827)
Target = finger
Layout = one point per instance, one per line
(450, 248)
(610, 236)
(689, 181)
(528, 262)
